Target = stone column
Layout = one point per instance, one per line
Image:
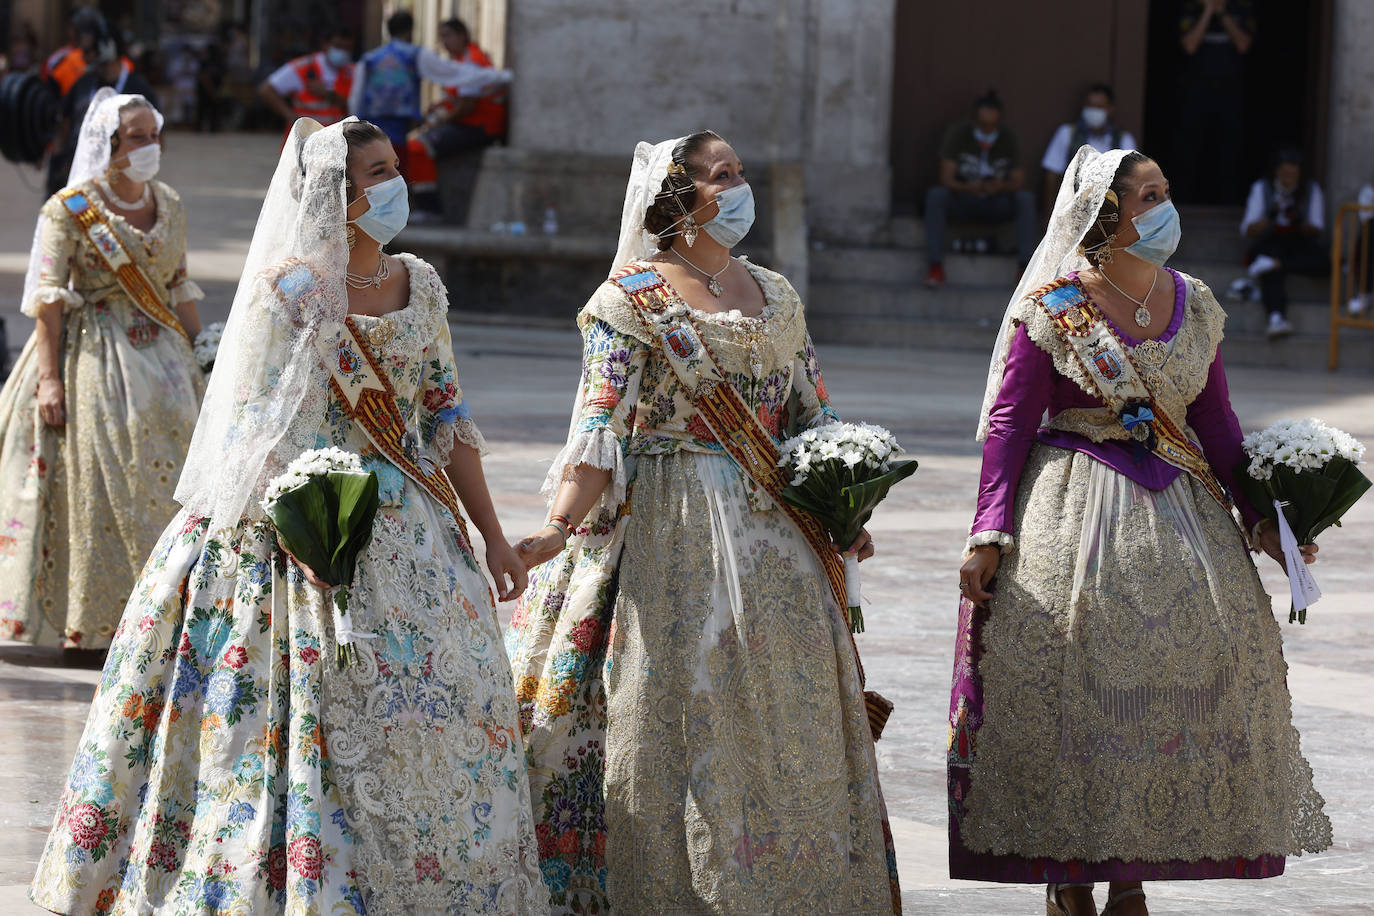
(1352, 100)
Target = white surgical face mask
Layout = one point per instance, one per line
(388, 210)
(735, 218)
(1095, 118)
(338, 58)
(143, 163)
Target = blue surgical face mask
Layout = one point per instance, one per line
(736, 215)
(1159, 234)
(388, 210)
(338, 58)
(987, 137)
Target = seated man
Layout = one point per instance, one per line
(386, 82)
(456, 123)
(1284, 220)
(1094, 127)
(981, 181)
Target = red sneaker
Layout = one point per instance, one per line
(935, 277)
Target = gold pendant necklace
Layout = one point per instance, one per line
(361, 281)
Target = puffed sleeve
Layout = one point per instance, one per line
(1025, 394)
(183, 288)
(813, 401)
(57, 242)
(444, 413)
(612, 371)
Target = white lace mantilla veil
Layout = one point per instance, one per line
(1081, 193)
(92, 158)
(266, 398)
(647, 171)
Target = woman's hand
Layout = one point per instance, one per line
(1269, 542)
(310, 575)
(508, 569)
(540, 547)
(863, 546)
(977, 572)
(52, 401)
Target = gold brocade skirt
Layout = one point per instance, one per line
(82, 505)
(740, 773)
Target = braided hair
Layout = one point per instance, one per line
(1097, 241)
(677, 196)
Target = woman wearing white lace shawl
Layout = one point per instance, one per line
(228, 765)
(96, 417)
(1119, 711)
(727, 766)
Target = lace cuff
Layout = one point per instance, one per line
(186, 291)
(71, 300)
(598, 448)
(998, 538)
(464, 431)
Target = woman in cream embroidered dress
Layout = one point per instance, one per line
(96, 417)
(1119, 712)
(697, 735)
(228, 764)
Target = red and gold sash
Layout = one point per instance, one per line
(367, 397)
(1111, 369)
(738, 431)
(132, 279)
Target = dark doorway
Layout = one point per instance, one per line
(1283, 100)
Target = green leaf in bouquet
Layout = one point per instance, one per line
(304, 522)
(1350, 485)
(863, 497)
(1307, 493)
(1260, 492)
(355, 509)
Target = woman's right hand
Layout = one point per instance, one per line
(52, 401)
(540, 547)
(977, 573)
(310, 575)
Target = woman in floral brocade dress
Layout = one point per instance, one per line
(691, 698)
(228, 764)
(96, 417)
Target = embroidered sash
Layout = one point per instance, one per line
(367, 397)
(738, 431)
(132, 278)
(1111, 368)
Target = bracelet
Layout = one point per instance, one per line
(559, 526)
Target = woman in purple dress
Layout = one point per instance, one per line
(1119, 712)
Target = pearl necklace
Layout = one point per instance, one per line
(1142, 312)
(712, 284)
(120, 202)
(362, 281)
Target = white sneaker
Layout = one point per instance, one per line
(1241, 289)
(1358, 305)
(1262, 265)
(1278, 326)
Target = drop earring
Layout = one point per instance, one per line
(689, 231)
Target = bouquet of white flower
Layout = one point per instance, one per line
(840, 472)
(323, 507)
(206, 347)
(1303, 475)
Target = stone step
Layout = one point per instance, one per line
(1301, 351)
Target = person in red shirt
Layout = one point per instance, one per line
(454, 124)
(314, 85)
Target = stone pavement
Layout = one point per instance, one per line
(519, 381)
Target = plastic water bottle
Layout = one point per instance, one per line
(550, 221)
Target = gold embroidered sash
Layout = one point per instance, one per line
(1110, 367)
(367, 397)
(738, 431)
(124, 265)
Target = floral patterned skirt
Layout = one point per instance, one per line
(1120, 712)
(82, 505)
(228, 764)
(739, 773)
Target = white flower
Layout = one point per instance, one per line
(847, 444)
(314, 463)
(206, 346)
(1307, 444)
